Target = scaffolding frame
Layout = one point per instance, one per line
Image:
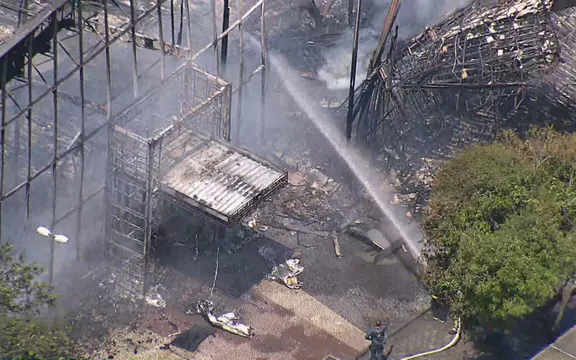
(139, 156)
(18, 72)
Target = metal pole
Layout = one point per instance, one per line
(108, 63)
(77, 238)
(108, 118)
(350, 115)
(181, 26)
(55, 127)
(172, 21)
(29, 119)
(390, 19)
(215, 31)
(3, 132)
(238, 127)
(225, 24)
(16, 146)
(189, 28)
(161, 38)
(134, 47)
(148, 213)
(264, 60)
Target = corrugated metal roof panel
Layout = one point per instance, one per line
(223, 179)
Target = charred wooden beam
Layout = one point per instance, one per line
(41, 44)
(350, 115)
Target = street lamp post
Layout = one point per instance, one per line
(61, 239)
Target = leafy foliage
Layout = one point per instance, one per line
(499, 229)
(23, 332)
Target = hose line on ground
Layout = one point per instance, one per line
(444, 348)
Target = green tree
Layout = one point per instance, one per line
(500, 240)
(24, 332)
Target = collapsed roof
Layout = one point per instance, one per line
(498, 62)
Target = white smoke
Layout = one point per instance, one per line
(413, 17)
(336, 70)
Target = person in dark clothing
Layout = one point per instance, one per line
(378, 338)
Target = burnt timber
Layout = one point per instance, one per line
(487, 66)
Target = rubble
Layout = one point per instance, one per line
(486, 66)
(336, 245)
(153, 297)
(253, 224)
(287, 273)
(228, 321)
(385, 243)
(296, 179)
(5, 32)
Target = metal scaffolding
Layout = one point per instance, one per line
(71, 123)
(145, 142)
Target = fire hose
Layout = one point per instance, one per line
(443, 348)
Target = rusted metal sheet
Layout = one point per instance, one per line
(221, 181)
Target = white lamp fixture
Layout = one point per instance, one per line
(62, 239)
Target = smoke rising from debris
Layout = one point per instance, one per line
(413, 17)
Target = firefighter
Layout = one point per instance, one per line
(378, 338)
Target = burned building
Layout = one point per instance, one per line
(109, 124)
(487, 66)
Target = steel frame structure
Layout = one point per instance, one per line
(40, 46)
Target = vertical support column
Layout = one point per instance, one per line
(3, 77)
(181, 27)
(189, 28)
(29, 124)
(225, 24)
(350, 114)
(172, 22)
(16, 146)
(215, 34)
(110, 169)
(148, 212)
(238, 127)
(134, 48)
(78, 236)
(264, 56)
(161, 38)
(55, 127)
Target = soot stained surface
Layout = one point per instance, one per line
(193, 337)
(237, 271)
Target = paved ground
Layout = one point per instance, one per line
(562, 349)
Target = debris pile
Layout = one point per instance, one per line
(153, 298)
(287, 273)
(486, 66)
(228, 321)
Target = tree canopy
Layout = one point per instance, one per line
(500, 237)
(24, 333)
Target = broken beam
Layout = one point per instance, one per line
(95, 24)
